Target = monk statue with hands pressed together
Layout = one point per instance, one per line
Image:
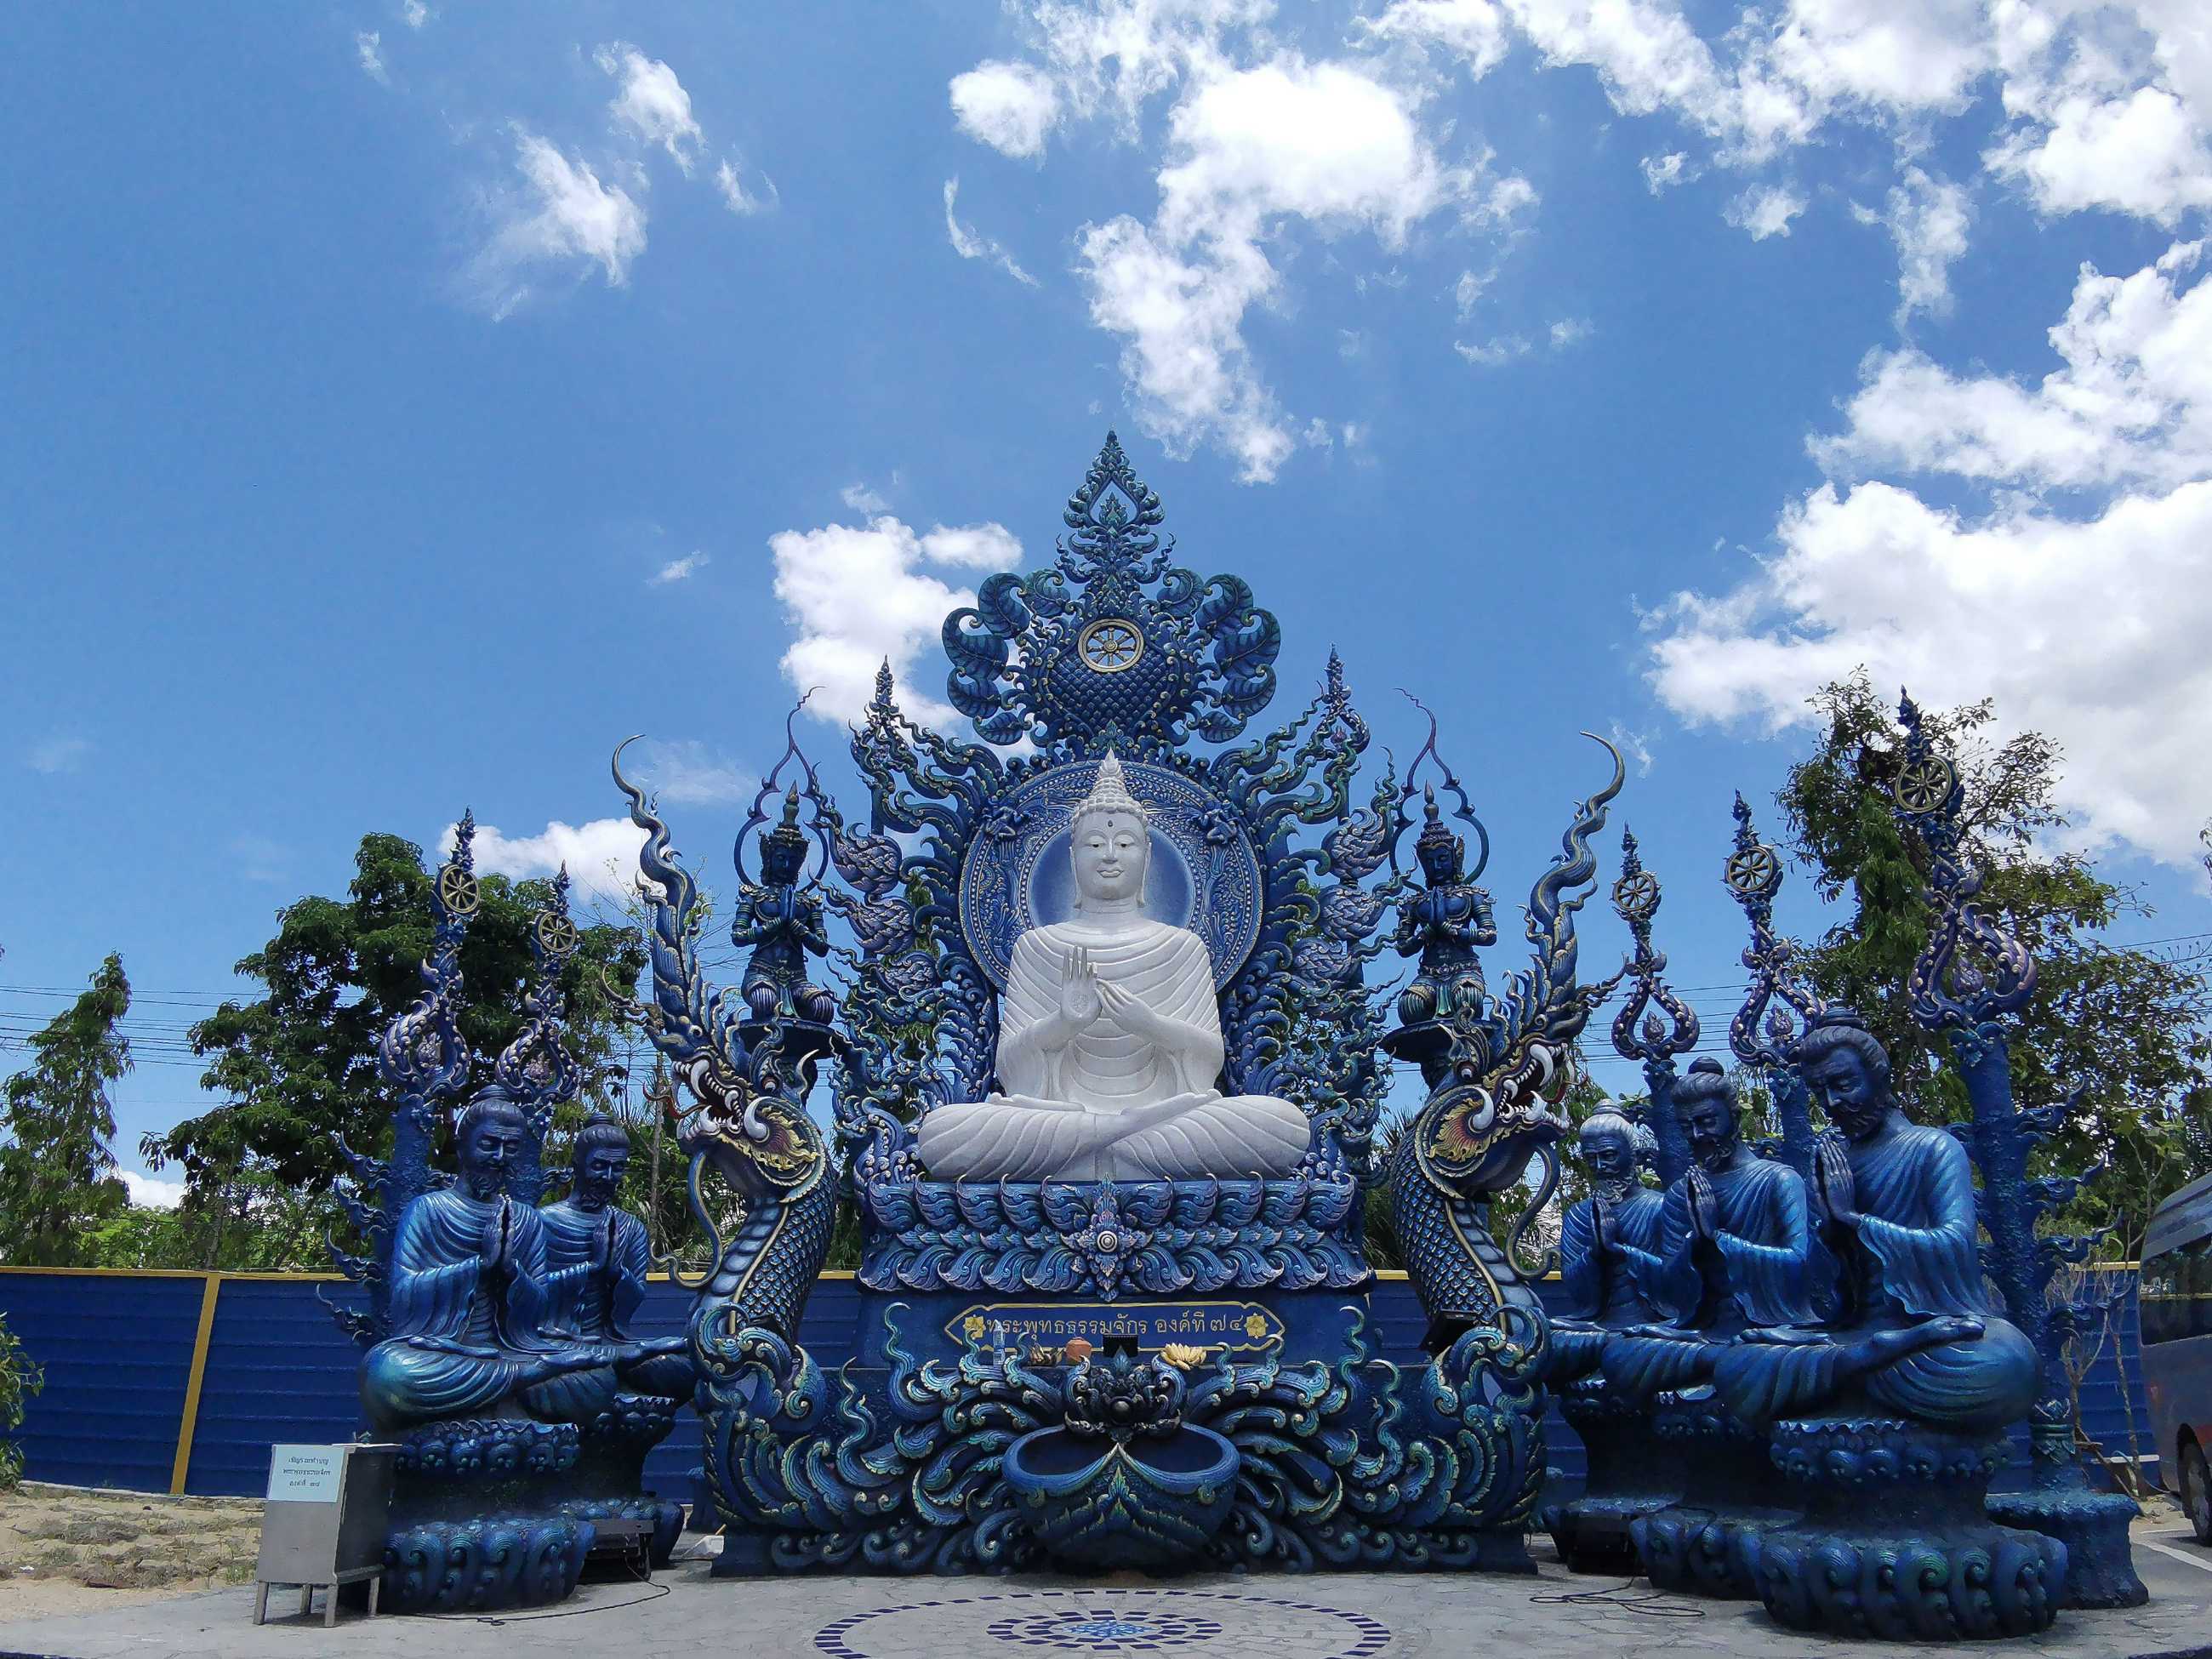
(1110, 1041)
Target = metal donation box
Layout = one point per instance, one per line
(324, 1523)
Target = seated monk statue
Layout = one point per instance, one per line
(1110, 1041)
(598, 1255)
(1608, 1245)
(466, 1298)
(1919, 1335)
(1735, 1249)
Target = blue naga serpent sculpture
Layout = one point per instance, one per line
(749, 1122)
(1491, 1080)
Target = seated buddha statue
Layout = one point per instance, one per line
(1608, 1243)
(1735, 1249)
(1110, 1041)
(598, 1255)
(466, 1297)
(1918, 1333)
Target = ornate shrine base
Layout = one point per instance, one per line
(1630, 1474)
(1895, 1542)
(1701, 1543)
(988, 1453)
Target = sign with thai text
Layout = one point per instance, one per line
(305, 1474)
(1230, 1329)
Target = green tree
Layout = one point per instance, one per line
(57, 1166)
(2125, 1026)
(19, 1380)
(300, 1063)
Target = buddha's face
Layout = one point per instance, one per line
(1710, 1122)
(599, 1175)
(1856, 1098)
(493, 1142)
(1607, 1154)
(1110, 850)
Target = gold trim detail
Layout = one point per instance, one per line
(188, 1423)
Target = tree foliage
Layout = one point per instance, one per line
(2126, 1026)
(20, 1378)
(57, 1163)
(300, 1063)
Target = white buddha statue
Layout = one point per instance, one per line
(1110, 1041)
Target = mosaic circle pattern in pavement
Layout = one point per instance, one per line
(1171, 1623)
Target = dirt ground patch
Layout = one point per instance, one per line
(65, 1549)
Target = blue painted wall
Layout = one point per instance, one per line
(117, 1350)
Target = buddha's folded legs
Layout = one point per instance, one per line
(408, 1380)
(1640, 1366)
(1229, 1137)
(1955, 1371)
(1189, 1137)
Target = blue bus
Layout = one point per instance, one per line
(2177, 1346)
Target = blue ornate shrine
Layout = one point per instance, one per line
(1791, 1379)
(1154, 1373)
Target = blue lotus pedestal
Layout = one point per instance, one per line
(1630, 1475)
(1700, 1544)
(1895, 1542)
(608, 1484)
(481, 1519)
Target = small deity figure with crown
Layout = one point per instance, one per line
(1110, 1041)
(1443, 922)
(782, 922)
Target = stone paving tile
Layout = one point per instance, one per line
(1328, 1616)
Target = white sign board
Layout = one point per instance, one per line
(305, 1474)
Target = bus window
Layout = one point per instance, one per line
(2177, 1294)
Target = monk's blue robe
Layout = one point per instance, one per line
(1604, 1291)
(1916, 1256)
(596, 1303)
(1754, 1271)
(465, 1340)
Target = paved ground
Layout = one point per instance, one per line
(1335, 1616)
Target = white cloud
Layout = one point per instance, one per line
(2078, 595)
(1493, 353)
(600, 855)
(1324, 144)
(862, 498)
(151, 1192)
(858, 596)
(260, 858)
(368, 45)
(679, 570)
(1474, 30)
(1660, 171)
(740, 201)
(1571, 331)
(970, 246)
(687, 773)
(1764, 210)
(1010, 107)
(414, 13)
(1928, 219)
(651, 103)
(1635, 747)
(562, 215)
(59, 753)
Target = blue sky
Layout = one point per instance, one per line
(407, 403)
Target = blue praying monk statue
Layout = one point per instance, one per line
(1918, 1333)
(1736, 1250)
(1608, 1245)
(598, 1255)
(468, 1294)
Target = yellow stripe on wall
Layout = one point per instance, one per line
(190, 1420)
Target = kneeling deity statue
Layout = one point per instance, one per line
(1110, 1041)
(468, 1295)
(598, 1255)
(1918, 1334)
